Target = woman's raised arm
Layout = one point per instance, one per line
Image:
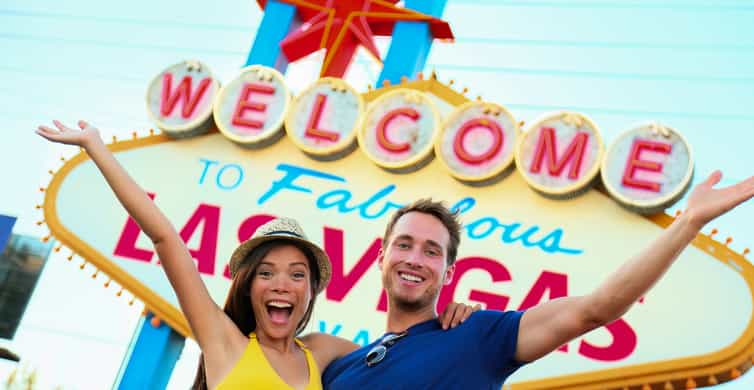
(208, 322)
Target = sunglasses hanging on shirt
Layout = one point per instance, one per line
(377, 354)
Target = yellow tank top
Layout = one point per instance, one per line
(253, 371)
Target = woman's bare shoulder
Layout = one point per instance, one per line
(327, 347)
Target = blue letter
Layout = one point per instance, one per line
(207, 163)
(341, 197)
(292, 173)
(492, 222)
(335, 330)
(379, 195)
(234, 185)
(463, 205)
(551, 243)
(362, 338)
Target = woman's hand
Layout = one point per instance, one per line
(66, 135)
(212, 328)
(456, 313)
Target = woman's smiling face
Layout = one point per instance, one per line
(281, 291)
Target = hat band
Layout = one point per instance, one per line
(285, 232)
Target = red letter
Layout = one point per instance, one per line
(126, 246)
(244, 105)
(497, 141)
(341, 282)
(247, 228)
(385, 121)
(182, 92)
(251, 224)
(497, 272)
(205, 254)
(555, 283)
(312, 126)
(547, 144)
(382, 304)
(623, 345)
(635, 163)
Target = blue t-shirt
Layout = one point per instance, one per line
(478, 354)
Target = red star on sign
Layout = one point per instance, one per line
(341, 26)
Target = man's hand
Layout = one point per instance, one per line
(549, 325)
(707, 203)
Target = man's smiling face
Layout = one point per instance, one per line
(414, 261)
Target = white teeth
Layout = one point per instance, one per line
(410, 278)
(279, 304)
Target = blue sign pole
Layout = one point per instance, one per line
(278, 20)
(410, 45)
(6, 227)
(152, 357)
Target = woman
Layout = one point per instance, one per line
(275, 277)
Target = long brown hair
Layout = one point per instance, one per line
(238, 304)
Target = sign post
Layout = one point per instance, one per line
(152, 356)
(410, 45)
(6, 227)
(279, 18)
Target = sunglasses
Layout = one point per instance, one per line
(377, 354)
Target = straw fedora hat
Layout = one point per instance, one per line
(283, 229)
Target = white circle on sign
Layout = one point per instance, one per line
(180, 98)
(477, 141)
(560, 154)
(399, 129)
(251, 108)
(324, 118)
(648, 167)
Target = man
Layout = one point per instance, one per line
(416, 260)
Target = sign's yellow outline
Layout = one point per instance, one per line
(723, 365)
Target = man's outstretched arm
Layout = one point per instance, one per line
(549, 325)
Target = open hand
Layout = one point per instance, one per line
(456, 313)
(707, 203)
(69, 136)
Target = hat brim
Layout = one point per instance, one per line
(322, 259)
